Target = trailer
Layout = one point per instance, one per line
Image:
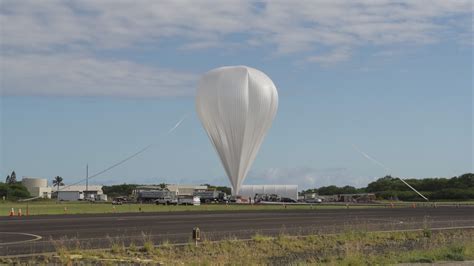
(210, 196)
(178, 200)
(153, 195)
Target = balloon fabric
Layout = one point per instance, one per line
(236, 106)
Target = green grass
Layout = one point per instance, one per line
(52, 207)
(349, 248)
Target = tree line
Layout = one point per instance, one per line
(388, 187)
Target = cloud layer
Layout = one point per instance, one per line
(67, 37)
(76, 75)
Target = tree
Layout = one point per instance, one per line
(329, 190)
(119, 190)
(13, 191)
(226, 190)
(58, 181)
(12, 178)
(4, 189)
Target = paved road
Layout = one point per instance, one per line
(35, 234)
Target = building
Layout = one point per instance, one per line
(185, 189)
(73, 193)
(284, 191)
(38, 187)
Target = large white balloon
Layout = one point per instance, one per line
(236, 105)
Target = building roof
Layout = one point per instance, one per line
(278, 187)
(175, 186)
(79, 188)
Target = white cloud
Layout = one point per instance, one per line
(335, 56)
(79, 75)
(47, 25)
(33, 30)
(290, 25)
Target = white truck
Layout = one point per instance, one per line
(167, 200)
(189, 200)
(180, 200)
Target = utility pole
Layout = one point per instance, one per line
(87, 180)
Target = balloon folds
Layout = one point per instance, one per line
(236, 106)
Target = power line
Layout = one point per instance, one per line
(127, 158)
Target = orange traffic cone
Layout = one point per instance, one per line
(12, 212)
(19, 212)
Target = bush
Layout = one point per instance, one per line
(454, 193)
(119, 190)
(14, 191)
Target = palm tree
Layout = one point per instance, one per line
(58, 181)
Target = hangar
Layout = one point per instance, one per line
(79, 192)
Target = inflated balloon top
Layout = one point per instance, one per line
(236, 105)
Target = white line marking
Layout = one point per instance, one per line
(36, 238)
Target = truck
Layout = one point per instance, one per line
(153, 195)
(210, 196)
(189, 200)
(167, 200)
(120, 200)
(315, 200)
(178, 200)
(267, 198)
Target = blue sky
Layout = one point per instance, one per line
(95, 81)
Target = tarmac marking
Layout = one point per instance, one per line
(35, 238)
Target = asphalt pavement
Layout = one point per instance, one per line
(38, 234)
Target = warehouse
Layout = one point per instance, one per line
(73, 193)
(284, 191)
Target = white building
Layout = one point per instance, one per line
(38, 187)
(185, 189)
(286, 191)
(72, 193)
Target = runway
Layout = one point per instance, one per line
(38, 234)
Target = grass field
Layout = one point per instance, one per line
(51, 207)
(349, 248)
